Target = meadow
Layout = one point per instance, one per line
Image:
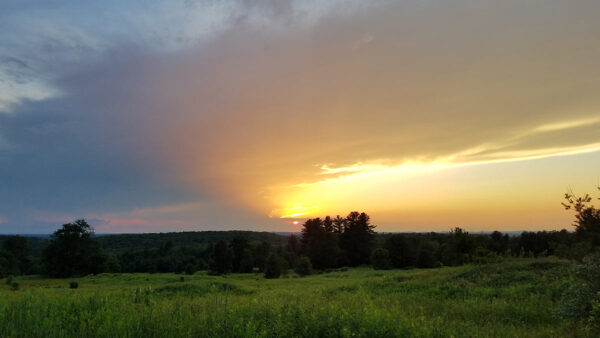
(517, 297)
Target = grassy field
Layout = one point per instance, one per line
(515, 298)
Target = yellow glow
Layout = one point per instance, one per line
(413, 188)
(567, 124)
(293, 212)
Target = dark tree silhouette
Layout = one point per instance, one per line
(239, 246)
(274, 267)
(319, 244)
(464, 245)
(16, 255)
(261, 253)
(247, 262)
(587, 217)
(339, 223)
(73, 251)
(222, 259)
(426, 255)
(357, 238)
(292, 250)
(303, 266)
(498, 243)
(403, 251)
(380, 258)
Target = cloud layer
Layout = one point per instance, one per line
(126, 113)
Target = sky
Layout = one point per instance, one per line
(216, 115)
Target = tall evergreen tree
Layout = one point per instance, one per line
(319, 244)
(357, 238)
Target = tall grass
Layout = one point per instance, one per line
(514, 298)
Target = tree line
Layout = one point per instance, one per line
(324, 243)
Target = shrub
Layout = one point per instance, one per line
(303, 266)
(580, 299)
(182, 279)
(380, 258)
(273, 267)
(14, 286)
(485, 256)
(9, 279)
(73, 285)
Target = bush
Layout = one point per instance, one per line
(580, 299)
(485, 256)
(182, 279)
(273, 267)
(73, 285)
(9, 279)
(380, 258)
(14, 286)
(303, 266)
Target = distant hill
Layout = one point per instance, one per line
(118, 243)
(36, 243)
(123, 242)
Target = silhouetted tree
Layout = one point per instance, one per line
(498, 243)
(426, 255)
(222, 258)
(357, 238)
(16, 253)
(73, 251)
(292, 250)
(319, 244)
(303, 266)
(380, 258)
(274, 266)
(261, 253)
(239, 245)
(328, 224)
(339, 223)
(247, 262)
(464, 245)
(403, 251)
(587, 217)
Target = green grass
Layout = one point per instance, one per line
(515, 298)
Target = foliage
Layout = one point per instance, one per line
(380, 258)
(587, 217)
(580, 298)
(73, 285)
(222, 259)
(15, 256)
(402, 250)
(303, 266)
(73, 251)
(274, 267)
(319, 243)
(357, 238)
